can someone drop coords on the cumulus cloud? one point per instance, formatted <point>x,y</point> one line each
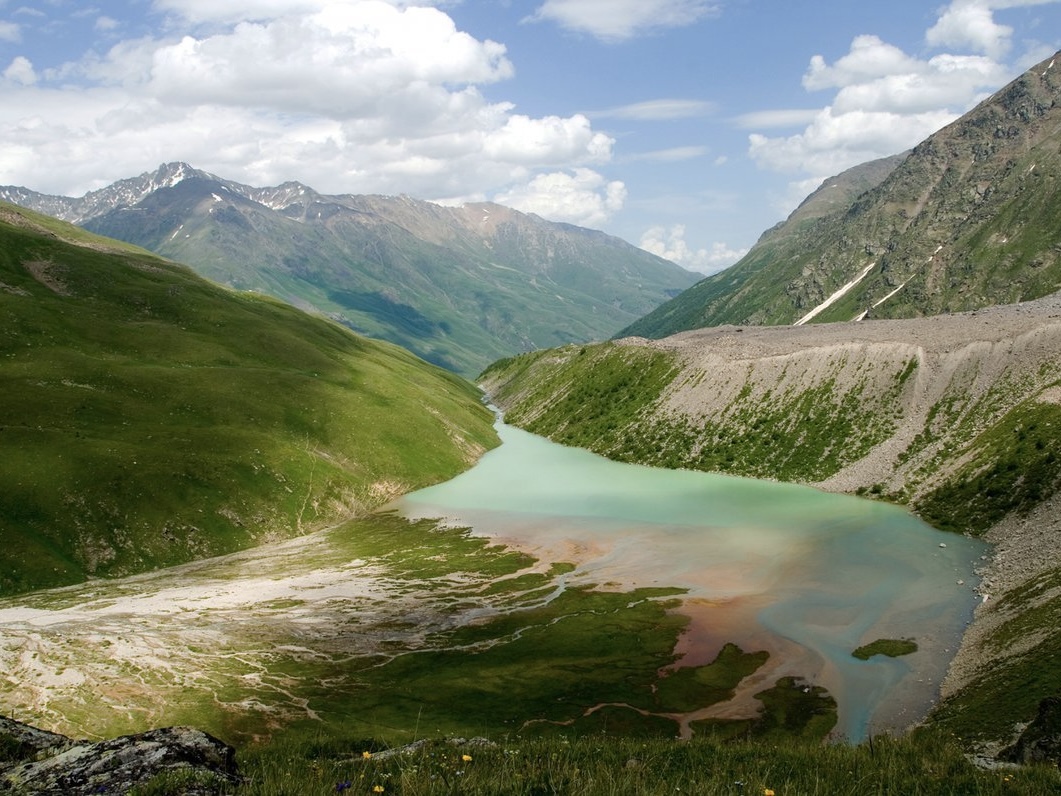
<point>581,197</point>
<point>669,242</point>
<point>619,20</point>
<point>20,71</point>
<point>359,96</point>
<point>885,100</point>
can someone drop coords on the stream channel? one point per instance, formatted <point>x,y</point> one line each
<point>806,575</point>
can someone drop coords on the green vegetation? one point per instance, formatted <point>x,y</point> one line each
<point>923,764</point>
<point>148,417</point>
<point>605,398</point>
<point>892,647</point>
<point>1016,464</point>
<point>597,393</point>
<point>437,281</point>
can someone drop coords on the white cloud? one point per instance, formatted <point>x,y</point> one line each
<point>885,100</point>
<point>9,31</point>
<point>20,71</point>
<point>671,155</point>
<point>350,96</point>
<point>619,20</point>
<point>582,197</point>
<point>658,110</point>
<point>837,141</point>
<point>669,242</point>
<point>775,118</point>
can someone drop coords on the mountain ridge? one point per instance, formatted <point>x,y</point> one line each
<point>459,286</point>
<point>968,219</point>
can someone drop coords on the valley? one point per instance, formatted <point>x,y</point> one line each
<point>396,621</point>
<point>223,507</point>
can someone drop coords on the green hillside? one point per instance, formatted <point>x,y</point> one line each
<point>149,417</point>
<point>968,219</point>
<point>457,286</point>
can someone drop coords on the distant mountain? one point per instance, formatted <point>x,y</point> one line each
<point>970,218</point>
<point>149,417</point>
<point>459,286</point>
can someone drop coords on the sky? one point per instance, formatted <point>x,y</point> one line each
<point>686,127</point>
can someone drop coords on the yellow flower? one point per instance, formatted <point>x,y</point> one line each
<point>768,792</point>
<point>377,789</point>
<point>366,755</point>
<point>466,758</point>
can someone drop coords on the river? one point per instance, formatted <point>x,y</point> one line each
<point>806,575</point>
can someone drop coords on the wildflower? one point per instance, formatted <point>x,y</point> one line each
<point>341,786</point>
<point>366,755</point>
<point>377,789</point>
<point>768,792</point>
<point>466,758</point>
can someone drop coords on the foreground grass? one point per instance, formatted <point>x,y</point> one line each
<point>922,763</point>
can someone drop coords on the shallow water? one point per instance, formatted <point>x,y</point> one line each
<point>806,575</point>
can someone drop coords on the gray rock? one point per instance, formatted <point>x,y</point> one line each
<point>1040,742</point>
<point>189,761</point>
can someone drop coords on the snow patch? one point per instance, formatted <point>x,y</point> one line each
<point>839,294</point>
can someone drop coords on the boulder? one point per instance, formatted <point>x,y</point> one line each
<point>178,759</point>
<point>1040,742</point>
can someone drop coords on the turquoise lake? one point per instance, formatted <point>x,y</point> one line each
<point>806,575</point>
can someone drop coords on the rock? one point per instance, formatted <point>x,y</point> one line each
<point>1040,742</point>
<point>20,742</point>
<point>35,761</point>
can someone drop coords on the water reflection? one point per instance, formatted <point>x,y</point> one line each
<point>806,575</point>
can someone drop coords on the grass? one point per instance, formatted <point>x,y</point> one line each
<point>148,417</point>
<point>601,764</point>
<point>892,647</point>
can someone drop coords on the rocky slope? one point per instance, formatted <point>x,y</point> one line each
<point>968,219</point>
<point>170,760</point>
<point>955,416</point>
<point>458,286</point>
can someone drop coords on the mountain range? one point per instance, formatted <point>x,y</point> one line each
<point>969,218</point>
<point>458,286</point>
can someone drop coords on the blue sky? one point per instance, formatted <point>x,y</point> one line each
<point>685,126</point>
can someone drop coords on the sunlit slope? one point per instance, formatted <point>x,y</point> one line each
<point>149,417</point>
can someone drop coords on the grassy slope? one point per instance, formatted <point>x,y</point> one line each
<point>149,417</point>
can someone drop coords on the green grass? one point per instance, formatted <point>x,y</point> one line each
<point>892,647</point>
<point>600,764</point>
<point>1016,464</point>
<point>148,417</point>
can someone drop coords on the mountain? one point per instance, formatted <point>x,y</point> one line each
<point>458,286</point>
<point>955,416</point>
<point>149,417</point>
<point>968,219</point>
